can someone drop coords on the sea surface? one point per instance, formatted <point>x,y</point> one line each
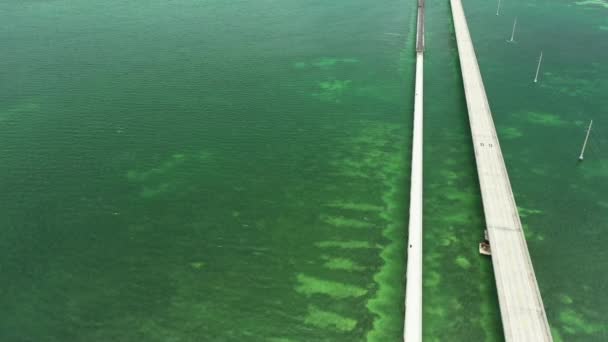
<point>207,170</point>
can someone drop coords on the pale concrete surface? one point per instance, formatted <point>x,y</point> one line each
<point>521,306</point>
<point>412,330</point>
<point>413,294</point>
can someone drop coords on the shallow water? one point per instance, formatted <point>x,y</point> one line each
<point>459,294</point>
<point>203,170</point>
<point>541,127</point>
<point>560,199</point>
<point>187,170</point>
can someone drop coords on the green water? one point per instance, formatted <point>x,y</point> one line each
<point>203,170</point>
<point>542,126</point>
<point>460,302</point>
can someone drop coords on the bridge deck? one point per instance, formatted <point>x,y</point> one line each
<point>521,306</point>
<point>412,329</point>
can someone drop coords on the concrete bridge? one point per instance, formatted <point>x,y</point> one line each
<point>521,306</point>
<point>413,293</point>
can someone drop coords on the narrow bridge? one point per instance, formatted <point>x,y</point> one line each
<point>521,306</point>
<point>413,294</point>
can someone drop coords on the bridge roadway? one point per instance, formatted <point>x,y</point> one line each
<point>412,329</point>
<point>521,306</point>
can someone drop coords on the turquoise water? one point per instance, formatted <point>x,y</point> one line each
<point>217,171</point>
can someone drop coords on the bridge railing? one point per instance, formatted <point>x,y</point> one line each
<point>420,27</point>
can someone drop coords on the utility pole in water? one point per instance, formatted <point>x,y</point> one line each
<point>585,143</point>
<point>513,32</point>
<point>540,60</point>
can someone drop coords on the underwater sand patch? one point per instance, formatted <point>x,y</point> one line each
<point>600,3</point>
<point>531,235</point>
<point>557,337</point>
<point>523,212</point>
<point>344,222</point>
<point>355,206</point>
<point>541,118</point>
<point>510,133</point>
<point>462,262</point>
<point>327,319</point>
<point>432,279</point>
<point>351,174</point>
<point>574,323</point>
<point>352,244</point>
<point>332,90</point>
<point>309,286</point>
<point>197,265</point>
<point>162,178</point>
<point>569,86</point>
<point>378,93</point>
<point>375,156</point>
<point>565,299</point>
<point>342,264</point>
<point>324,63</point>
<point>165,167</point>
<point>154,191</point>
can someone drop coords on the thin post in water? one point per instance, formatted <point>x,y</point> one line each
<point>498,8</point>
<point>585,143</point>
<point>513,32</point>
<point>540,60</point>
